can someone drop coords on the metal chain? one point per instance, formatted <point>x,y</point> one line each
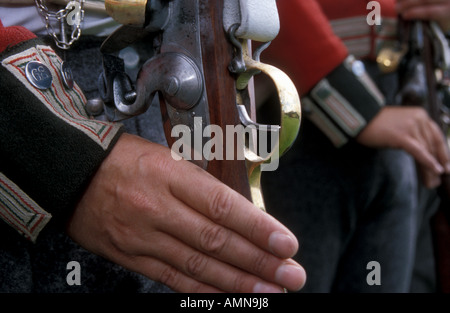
<point>61,17</point>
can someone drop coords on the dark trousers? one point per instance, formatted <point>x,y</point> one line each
<point>352,206</point>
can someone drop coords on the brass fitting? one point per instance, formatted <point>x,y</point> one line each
<point>127,12</point>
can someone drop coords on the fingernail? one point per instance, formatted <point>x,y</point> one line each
<point>439,169</point>
<point>447,168</point>
<point>282,245</point>
<point>290,276</point>
<point>266,288</point>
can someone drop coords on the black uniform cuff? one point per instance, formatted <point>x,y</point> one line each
<point>49,146</point>
<point>343,102</point>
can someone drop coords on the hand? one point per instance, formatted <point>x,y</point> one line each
<point>437,10</point>
<point>177,224</point>
<point>410,129</point>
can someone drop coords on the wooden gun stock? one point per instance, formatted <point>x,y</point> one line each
<point>203,76</point>
<point>217,53</point>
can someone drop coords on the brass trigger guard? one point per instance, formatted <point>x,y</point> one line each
<point>289,123</point>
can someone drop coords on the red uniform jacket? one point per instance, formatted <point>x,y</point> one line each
<point>315,38</point>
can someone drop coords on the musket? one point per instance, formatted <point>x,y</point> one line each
<point>423,56</point>
<point>89,5</point>
<point>201,72</point>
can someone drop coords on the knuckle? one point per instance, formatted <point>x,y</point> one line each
<point>239,284</point>
<point>196,264</point>
<point>254,227</point>
<point>213,238</point>
<point>137,199</point>
<point>195,287</point>
<point>121,238</point>
<point>260,263</point>
<point>138,202</point>
<point>153,163</point>
<point>221,204</point>
<point>438,135</point>
<point>420,114</point>
<point>118,245</point>
<point>143,162</point>
<point>169,277</point>
<point>118,242</point>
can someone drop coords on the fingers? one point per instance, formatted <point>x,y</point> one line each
<point>418,149</point>
<point>168,275</point>
<point>429,179</point>
<point>191,270</point>
<point>226,207</point>
<point>231,248</point>
<point>442,150</point>
<point>228,227</point>
<point>427,145</point>
<point>432,138</point>
<point>174,223</point>
<point>437,146</point>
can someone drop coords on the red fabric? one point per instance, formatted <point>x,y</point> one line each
<point>306,47</point>
<point>341,9</point>
<point>13,35</point>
